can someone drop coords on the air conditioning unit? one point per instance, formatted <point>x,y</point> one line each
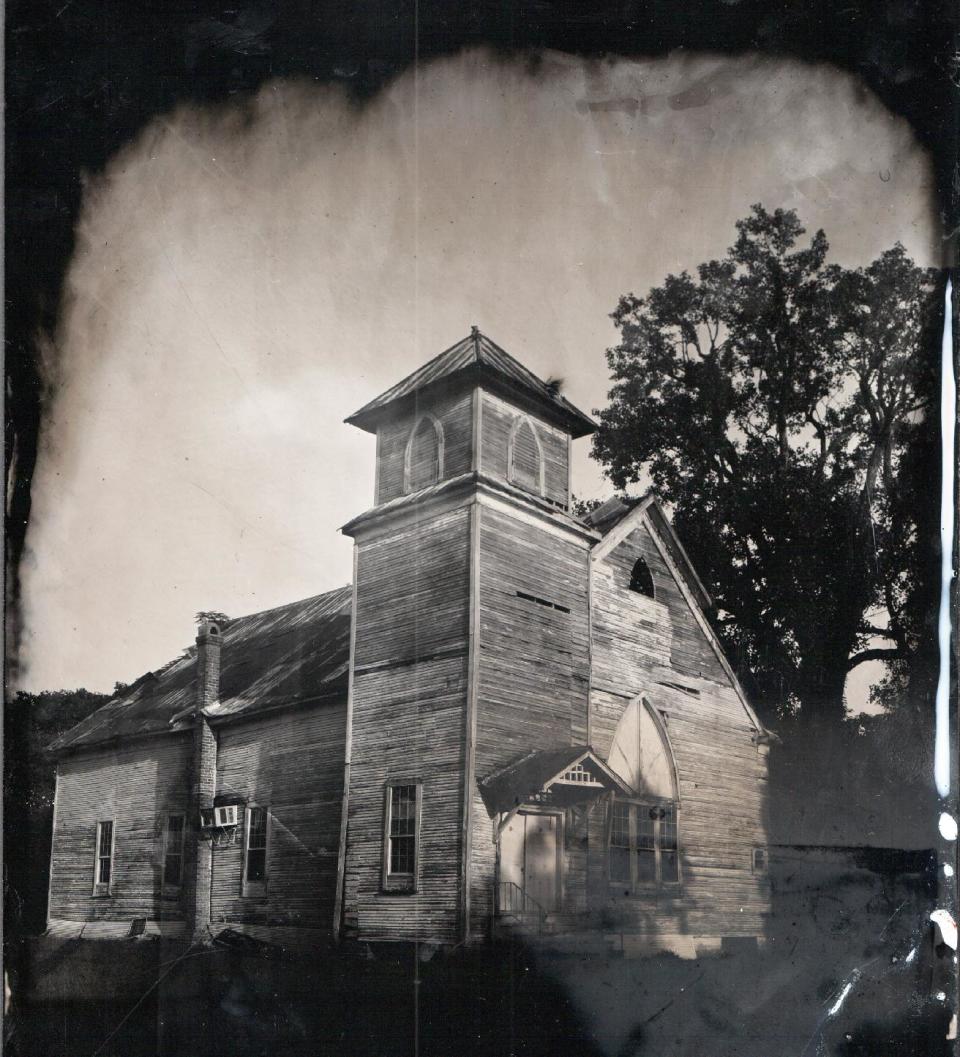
<point>227,816</point>
<point>219,817</point>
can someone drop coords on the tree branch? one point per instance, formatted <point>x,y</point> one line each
<point>873,655</point>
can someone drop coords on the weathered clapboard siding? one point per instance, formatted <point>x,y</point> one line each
<point>638,640</point>
<point>453,412</point>
<point>135,786</point>
<point>483,866</point>
<point>498,419</point>
<point>292,764</point>
<point>534,658</point>
<point>409,698</point>
<point>657,647</point>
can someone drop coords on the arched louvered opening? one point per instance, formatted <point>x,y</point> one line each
<point>641,579</point>
<point>423,462</point>
<point>525,457</point>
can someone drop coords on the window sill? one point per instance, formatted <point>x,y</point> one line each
<point>398,886</point>
<point>255,893</point>
<point>673,889</point>
<point>102,895</point>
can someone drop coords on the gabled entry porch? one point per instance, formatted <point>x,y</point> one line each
<point>540,804</point>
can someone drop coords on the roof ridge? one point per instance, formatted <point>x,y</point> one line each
<point>385,396</point>
<point>288,605</point>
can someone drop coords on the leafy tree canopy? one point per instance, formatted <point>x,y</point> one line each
<point>777,402</point>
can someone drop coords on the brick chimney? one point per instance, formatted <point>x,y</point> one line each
<point>203,774</point>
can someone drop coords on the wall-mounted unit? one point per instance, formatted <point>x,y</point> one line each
<point>220,817</point>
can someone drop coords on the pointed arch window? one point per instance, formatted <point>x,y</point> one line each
<point>642,835</point>
<point>641,579</point>
<point>423,459</point>
<point>525,457</point>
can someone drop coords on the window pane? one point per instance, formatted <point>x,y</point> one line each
<point>403,827</point>
<point>104,877</point>
<point>620,843</point>
<point>171,870</point>
<point>646,866</point>
<point>257,834</point>
<point>620,865</point>
<point>620,826</point>
<point>670,866</point>
<point>106,837</point>
<point>646,829</point>
<point>256,864</point>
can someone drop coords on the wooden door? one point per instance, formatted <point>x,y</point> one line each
<point>540,859</point>
<point>511,852</point>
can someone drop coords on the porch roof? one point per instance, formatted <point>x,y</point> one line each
<point>526,779</point>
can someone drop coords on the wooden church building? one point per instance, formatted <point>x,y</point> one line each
<point>513,718</point>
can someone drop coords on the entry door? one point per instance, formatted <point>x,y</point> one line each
<point>528,856</point>
<point>540,859</point>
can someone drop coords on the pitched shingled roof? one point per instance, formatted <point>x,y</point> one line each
<point>478,353</point>
<point>292,654</point>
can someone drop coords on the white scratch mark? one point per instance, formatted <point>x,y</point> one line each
<point>948,826</point>
<point>835,1008</point>
<point>913,953</point>
<point>947,870</point>
<point>943,919</point>
<point>948,411</point>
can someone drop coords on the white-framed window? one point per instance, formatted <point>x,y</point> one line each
<point>103,864</point>
<point>174,830</point>
<point>401,836</point>
<point>256,848</point>
<point>643,844</point>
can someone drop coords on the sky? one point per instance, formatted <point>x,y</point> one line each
<point>246,276</point>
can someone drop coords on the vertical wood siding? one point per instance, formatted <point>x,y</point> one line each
<point>658,648</point>
<point>292,764</point>
<point>498,420</point>
<point>454,412</point>
<point>136,786</point>
<point>409,696</point>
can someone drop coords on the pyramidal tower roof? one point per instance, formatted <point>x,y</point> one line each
<point>476,357</point>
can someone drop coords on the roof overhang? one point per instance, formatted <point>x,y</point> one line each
<point>550,778</point>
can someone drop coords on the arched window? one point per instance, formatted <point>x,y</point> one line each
<point>423,460</point>
<point>525,459</point>
<point>641,579</point>
<point>643,839</point>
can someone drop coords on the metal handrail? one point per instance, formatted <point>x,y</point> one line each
<point>512,899</point>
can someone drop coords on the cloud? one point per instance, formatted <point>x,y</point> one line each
<point>246,276</point>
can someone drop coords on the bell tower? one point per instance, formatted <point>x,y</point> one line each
<point>470,632</point>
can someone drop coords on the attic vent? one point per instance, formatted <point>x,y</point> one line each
<point>641,579</point>
<point>542,602</point>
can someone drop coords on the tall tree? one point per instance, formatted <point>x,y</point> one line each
<point>777,403</point>
<point>30,723</point>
